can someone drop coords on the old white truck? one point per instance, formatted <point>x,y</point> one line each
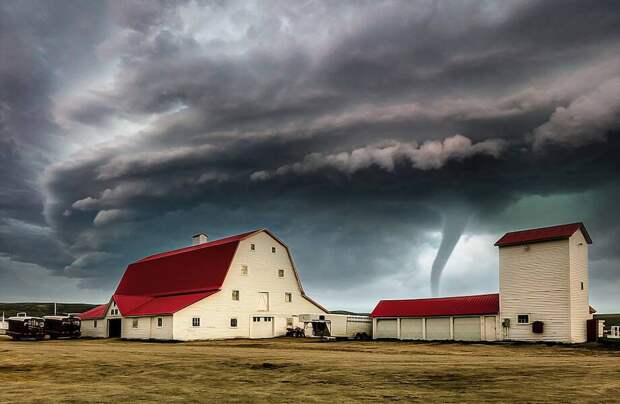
<point>337,326</point>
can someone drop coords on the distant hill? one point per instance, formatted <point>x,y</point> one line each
<point>43,309</point>
<point>349,313</point>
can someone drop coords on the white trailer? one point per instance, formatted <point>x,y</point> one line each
<point>337,326</point>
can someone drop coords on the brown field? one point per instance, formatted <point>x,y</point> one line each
<point>287,370</point>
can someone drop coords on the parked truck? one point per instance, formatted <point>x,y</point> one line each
<point>62,326</point>
<point>23,327</point>
<point>337,326</point>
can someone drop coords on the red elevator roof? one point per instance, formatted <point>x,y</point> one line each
<point>560,232</point>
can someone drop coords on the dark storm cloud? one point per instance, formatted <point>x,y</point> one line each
<point>349,129</point>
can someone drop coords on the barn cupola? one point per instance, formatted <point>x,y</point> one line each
<point>199,238</point>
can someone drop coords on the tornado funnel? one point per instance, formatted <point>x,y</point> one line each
<point>453,227</point>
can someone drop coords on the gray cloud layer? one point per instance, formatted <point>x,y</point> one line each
<point>348,128</point>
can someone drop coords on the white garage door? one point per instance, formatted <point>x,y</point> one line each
<point>386,328</point>
<point>262,327</point>
<point>437,328</point>
<point>490,329</point>
<point>467,328</point>
<point>411,328</point>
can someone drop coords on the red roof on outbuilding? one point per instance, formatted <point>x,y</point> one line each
<point>96,312</point>
<point>440,306</point>
<point>560,232</point>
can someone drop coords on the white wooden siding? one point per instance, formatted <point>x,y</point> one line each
<point>143,331</point>
<point>579,299</point>
<point>534,280</point>
<point>147,328</point>
<point>216,310</point>
<point>88,329</point>
<point>165,331</point>
<point>112,307</point>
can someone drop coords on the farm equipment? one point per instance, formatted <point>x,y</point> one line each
<point>62,326</point>
<point>337,326</point>
<point>295,332</point>
<point>24,327</point>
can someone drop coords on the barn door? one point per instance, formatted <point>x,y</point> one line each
<point>263,301</point>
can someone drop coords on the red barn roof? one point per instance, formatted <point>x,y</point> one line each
<point>167,304</point>
<point>165,283</point>
<point>560,232</point>
<point>96,312</point>
<point>440,306</point>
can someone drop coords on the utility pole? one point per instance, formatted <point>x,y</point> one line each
<point>54,308</point>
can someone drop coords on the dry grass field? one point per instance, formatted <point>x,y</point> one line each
<point>286,370</point>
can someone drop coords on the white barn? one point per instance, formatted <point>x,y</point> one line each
<point>243,286</point>
<point>543,296</point>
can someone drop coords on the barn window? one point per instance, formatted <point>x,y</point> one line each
<point>280,273</point>
<point>289,321</point>
<point>288,297</point>
<point>244,270</point>
<point>581,285</point>
<point>256,319</point>
<point>235,295</point>
<point>273,250</point>
<point>267,318</point>
<point>196,322</point>
<point>523,319</point>
<point>134,324</point>
<point>252,247</point>
<point>233,322</point>
<point>160,322</point>
<point>95,324</point>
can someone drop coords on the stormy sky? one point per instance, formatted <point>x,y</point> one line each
<point>363,133</point>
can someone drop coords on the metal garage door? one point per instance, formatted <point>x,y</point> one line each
<point>262,327</point>
<point>386,328</point>
<point>438,328</point>
<point>411,328</point>
<point>467,328</point>
<point>490,328</point>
